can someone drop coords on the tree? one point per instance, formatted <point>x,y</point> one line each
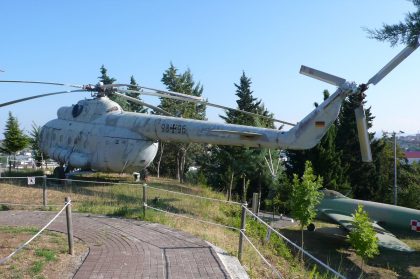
<point>178,156</point>
<point>325,158</point>
<point>360,175</point>
<point>105,79</point>
<point>245,102</point>
<point>35,137</point>
<point>409,185</point>
<point>14,138</point>
<point>362,237</point>
<point>240,170</point>
<point>406,32</point>
<point>305,197</point>
<point>134,107</point>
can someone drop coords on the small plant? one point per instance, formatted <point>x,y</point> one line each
<point>305,197</point>
<point>4,207</point>
<point>37,267</point>
<point>363,237</point>
<point>47,254</point>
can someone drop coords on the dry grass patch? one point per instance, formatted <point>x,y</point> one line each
<point>45,257</point>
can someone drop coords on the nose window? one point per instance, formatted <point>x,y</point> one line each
<point>77,110</point>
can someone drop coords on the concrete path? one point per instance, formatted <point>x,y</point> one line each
<point>122,248</point>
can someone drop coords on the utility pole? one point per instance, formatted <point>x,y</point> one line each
<point>395,166</point>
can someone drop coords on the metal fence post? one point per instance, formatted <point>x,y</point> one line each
<point>241,237</point>
<point>144,200</point>
<point>69,226</point>
<point>44,191</point>
<point>255,203</point>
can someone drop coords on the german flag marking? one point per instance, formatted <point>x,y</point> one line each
<point>320,124</point>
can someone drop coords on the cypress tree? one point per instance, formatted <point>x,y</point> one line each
<point>14,138</point>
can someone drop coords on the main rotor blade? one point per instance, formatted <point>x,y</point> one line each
<point>246,112</point>
<point>363,134</point>
<point>187,99</point>
<point>180,98</point>
<point>322,76</point>
<point>393,63</point>
<point>134,100</point>
<point>157,92</point>
<point>41,82</point>
<point>39,96</point>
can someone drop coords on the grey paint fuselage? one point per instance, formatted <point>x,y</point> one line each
<point>98,134</point>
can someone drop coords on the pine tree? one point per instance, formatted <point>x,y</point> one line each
<point>406,32</point>
<point>105,79</point>
<point>326,159</point>
<point>241,170</point>
<point>14,138</point>
<point>245,102</point>
<point>178,156</point>
<point>134,107</point>
<point>360,175</point>
<point>35,138</point>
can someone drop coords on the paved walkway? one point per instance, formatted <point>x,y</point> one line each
<point>130,249</point>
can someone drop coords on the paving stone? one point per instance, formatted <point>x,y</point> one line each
<point>120,248</point>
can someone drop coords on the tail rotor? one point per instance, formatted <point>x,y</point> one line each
<point>361,123</point>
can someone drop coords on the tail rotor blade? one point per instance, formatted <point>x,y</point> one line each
<point>393,63</point>
<point>322,76</point>
<point>362,132</point>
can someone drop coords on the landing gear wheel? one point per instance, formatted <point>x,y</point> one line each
<point>59,173</point>
<point>311,227</point>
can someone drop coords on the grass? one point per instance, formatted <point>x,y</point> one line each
<point>333,248</point>
<point>126,200</point>
<point>45,257</point>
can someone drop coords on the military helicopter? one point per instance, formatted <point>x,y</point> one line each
<point>97,134</point>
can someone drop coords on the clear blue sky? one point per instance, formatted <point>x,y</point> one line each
<point>68,41</point>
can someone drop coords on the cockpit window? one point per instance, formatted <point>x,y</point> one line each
<point>77,110</point>
<point>331,194</point>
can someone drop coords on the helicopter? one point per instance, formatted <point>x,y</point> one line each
<point>97,134</point>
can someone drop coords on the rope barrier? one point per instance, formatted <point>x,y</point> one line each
<point>297,247</point>
<point>195,196</point>
<point>131,184</point>
<point>197,220</point>
<point>19,177</point>
<point>28,205</point>
<point>262,257</point>
<point>32,238</point>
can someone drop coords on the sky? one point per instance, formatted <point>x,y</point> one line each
<point>68,41</point>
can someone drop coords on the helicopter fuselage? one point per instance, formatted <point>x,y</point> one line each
<point>81,137</point>
<point>97,134</point>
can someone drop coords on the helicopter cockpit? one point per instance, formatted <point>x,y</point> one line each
<point>89,109</point>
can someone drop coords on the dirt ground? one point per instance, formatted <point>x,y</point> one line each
<point>328,243</point>
<point>45,257</point>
